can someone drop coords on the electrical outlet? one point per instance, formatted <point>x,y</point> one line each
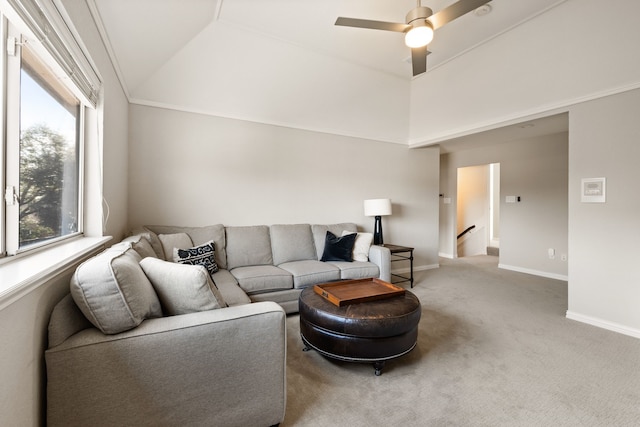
<point>552,253</point>
<point>563,257</point>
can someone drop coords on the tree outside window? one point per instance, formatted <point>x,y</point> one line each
<point>48,155</point>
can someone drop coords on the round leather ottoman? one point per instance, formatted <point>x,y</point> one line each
<point>373,331</point>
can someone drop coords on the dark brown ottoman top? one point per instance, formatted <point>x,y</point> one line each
<point>368,331</point>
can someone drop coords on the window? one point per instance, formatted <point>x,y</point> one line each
<point>49,154</point>
<point>48,84</point>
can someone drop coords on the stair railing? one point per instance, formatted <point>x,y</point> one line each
<point>467,230</point>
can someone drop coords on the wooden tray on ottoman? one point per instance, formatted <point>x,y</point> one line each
<point>346,292</point>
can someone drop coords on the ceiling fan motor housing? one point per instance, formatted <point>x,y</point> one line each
<point>421,12</point>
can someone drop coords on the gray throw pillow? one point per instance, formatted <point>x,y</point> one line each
<point>182,288</point>
<point>143,247</point>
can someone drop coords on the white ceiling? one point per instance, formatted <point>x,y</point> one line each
<point>143,35</point>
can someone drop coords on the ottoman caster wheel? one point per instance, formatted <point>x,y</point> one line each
<point>378,368</point>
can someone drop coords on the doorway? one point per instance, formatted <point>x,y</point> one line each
<point>478,210</point>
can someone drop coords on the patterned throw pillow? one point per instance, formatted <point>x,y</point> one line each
<point>199,255</point>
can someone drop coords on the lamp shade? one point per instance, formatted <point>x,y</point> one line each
<point>377,207</point>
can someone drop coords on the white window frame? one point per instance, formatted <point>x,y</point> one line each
<point>57,45</point>
<point>12,147</point>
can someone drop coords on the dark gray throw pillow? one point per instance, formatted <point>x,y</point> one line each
<point>199,255</point>
<point>338,248</point>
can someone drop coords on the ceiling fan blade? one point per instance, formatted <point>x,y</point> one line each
<point>454,11</point>
<point>373,25</point>
<point>419,60</point>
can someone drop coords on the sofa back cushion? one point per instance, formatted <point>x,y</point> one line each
<point>199,236</point>
<point>170,242</point>
<point>113,292</point>
<point>292,242</point>
<point>249,245</point>
<point>320,234</point>
<point>141,244</point>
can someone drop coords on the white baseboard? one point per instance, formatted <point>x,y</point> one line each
<point>604,324</point>
<point>445,255</point>
<point>535,272</point>
<point>415,268</point>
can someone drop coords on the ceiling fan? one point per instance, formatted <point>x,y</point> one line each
<point>421,22</point>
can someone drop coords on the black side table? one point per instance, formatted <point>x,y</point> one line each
<point>401,253</point>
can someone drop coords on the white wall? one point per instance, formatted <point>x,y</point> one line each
<point>234,73</point>
<point>604,277</point>
<point>23,324</point>
<point>573,52</point>
<point>192,169</point>
<point>536,169</point>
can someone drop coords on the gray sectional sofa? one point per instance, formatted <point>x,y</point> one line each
<point>274,263</point>
<point>141,340</point>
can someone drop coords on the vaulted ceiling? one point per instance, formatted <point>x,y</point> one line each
<point>148,40</point>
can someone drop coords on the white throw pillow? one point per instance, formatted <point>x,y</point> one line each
<point>362,245</point>
<point>182,288</point>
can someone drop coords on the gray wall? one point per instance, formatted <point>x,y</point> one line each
<point>536,169</point>
<point>604,285</point>
<point>193,169</point>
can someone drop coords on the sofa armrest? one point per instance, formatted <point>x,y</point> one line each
<point>220,367</point>
<point>381,256</point>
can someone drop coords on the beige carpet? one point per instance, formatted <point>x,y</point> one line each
<point>494,349</point>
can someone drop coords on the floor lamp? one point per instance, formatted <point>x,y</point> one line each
<point>377,208</point>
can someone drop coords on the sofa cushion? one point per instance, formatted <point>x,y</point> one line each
<point>182,288</point>
<point>199,235</point>
<point>172,241</point>
<point>310,272</point>
<point>199,255</point>
<point>361,246</point>
<point>356,269</point>
<point>338,248</point>
<point>229,288</point>
<point>113,292</point>
<point>262,278</point>
<point>153,240</point>
<point>144,248</point>
<point>249,245</point>
<point>320,233</point>
<point>292,242</point>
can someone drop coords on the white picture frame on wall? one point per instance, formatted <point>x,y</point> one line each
<point>593,190</point>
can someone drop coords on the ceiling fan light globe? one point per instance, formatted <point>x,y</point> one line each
<point>418,36</point>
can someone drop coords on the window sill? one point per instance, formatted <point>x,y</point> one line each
<point>22,275</point>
